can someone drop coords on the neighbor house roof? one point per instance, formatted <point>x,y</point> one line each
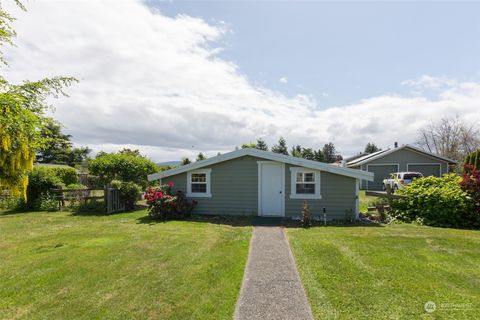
<point>375,155</point>
<point>359,174</point>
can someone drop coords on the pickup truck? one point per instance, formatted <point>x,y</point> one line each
<point>398,180</point>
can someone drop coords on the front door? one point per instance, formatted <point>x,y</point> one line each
<point>271,189</point>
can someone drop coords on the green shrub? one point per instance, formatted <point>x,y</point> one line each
<point>92,206</point>
<point>42,179</point>
<point>76,186</point>
<point>8,202</point>
<point>435,201</point>
<point>129,192</point>
<point>46,202</point>
<point>122,166</point>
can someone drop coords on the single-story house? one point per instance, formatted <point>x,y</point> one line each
<point>255,182</point>
<point>405,158</point>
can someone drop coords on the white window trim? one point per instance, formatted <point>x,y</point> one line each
<point>293,184</point>
<point>207,194</point>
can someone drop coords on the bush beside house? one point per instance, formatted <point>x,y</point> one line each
<point>164,205</point>
<point>438,201</point>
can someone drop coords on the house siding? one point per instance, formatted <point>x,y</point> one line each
<point>338,197</point>
<point>234,189</point>
<point>402,157</point>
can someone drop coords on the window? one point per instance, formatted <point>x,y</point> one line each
<point>198,183</point>
<point>305,184</point>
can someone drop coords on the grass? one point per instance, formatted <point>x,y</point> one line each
<point>389,272</point>
<point>59,266</point>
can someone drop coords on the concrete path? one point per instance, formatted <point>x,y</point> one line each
<point>271,286</point>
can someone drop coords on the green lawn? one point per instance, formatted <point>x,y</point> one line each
<point>59,266</point>
<point>389,272</point>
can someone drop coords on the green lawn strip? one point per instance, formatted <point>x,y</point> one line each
<point>389,272</point>
<point>59,266</point>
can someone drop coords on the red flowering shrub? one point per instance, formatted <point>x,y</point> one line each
<point>471,184</point>
<point>164,205</point>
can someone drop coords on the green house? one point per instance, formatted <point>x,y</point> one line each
<point>263,183</point>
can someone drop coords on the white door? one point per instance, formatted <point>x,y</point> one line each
<point>271,189</point>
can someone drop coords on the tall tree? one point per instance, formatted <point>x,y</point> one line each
<point>329,152</point>
<point>371,148</point>
<point>261,145</point>
<point>319,156</point>
<point>22,117</point>
<point>58,148</point>
<point>281,147</point>
<point>185,161</point>
<point>307,153</point>
<point>201,157</point>
<point>450,137</point>
<point>296,151</point>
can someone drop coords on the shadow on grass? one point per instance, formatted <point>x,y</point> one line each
<point>244,221</point>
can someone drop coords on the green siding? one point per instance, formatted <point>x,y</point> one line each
<point>234,188</point>
<point>338,197</point>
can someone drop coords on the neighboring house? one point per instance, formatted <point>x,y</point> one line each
<point>397,159</point>
<point>256,182</point>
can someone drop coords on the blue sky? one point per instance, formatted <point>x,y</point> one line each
<point>176,78</point>
<point>346,50</point>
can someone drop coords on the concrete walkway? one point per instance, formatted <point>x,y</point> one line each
<point>271,286</point>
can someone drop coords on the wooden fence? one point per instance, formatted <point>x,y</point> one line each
<point>110,196</point>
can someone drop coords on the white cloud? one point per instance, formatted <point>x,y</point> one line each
<point>283,80</point>
<point>430,82</point>
<point>153,82</point>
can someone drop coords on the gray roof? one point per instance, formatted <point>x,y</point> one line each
<point>375,155</point>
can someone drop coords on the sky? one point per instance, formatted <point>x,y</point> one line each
<point>176,78</point>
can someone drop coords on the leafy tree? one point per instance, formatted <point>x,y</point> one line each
<point>185,161</point>
<point>132,152</point>
<point>201,157</point>
<point>251,145</point>
<point>371,148</point>
<point>22,116</point>
<point>57,147</point>
<point>319,156</point>
<point>281,147</point>
<point>296,151</point>
<point>122,166</point>
<point>307,153</point>
<point>329,152</point>
<point>473,159</point>
<point>261,145</point>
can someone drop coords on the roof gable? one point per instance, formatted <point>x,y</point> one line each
<point>372,156</point>
<point>265,155</point>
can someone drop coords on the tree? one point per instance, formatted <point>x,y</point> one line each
<point>296,151</point>
<point>185,161</point>
<point>122,166</point>
<point>201,157</point>
<point>450,137</point>
<point>57,147</point>
<point>473,159</point>
<point>371,148</point>
<point>132,152</point>
<point>319,156</point>
<point>261,145</point>
<point>250,145</point>
<point>281,147</point>
<point>22,117</point>
<point>307,153</point>
<point>329,153</point>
